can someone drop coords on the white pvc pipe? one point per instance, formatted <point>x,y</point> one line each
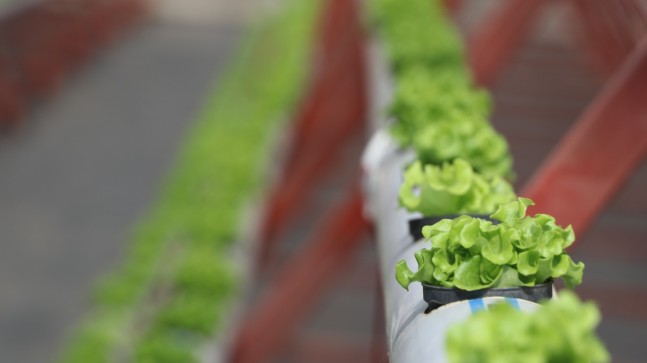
<point>412,335</point>
<point>422,339</point>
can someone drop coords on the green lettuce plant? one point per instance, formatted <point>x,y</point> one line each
<point>438,111</point>
<point>422,97</point>
<point>474,141</point>
<point>417,32</point>
<point>471,253</point>
<point>452,188</point>
<point>442,116</point>
<point>562,330</point>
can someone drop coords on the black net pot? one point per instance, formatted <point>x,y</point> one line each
<point>437,296</point>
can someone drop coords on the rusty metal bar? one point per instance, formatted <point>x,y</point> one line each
<point>301,282</point>
<point>600,152</point>
<point>494,42</point>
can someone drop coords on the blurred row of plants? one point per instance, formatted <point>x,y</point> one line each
<point>438,111</point>
<point>172,293</point>
<point>464,166</point>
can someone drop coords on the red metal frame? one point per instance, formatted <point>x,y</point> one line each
<point>333,111</point>
<point>607,31</point>
<point>611,28</point>
<point>452,6</point>
<point>44,41</point>
<point>301,282</point>
<point>338,57</point>
<point>569,185</point>
<point>599,152</point>
<point>12,105</point>
<point>496,40</point>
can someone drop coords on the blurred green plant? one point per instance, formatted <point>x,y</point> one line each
<point>452,188</point>
<point>170,293</point>
<point>417,33</point>
<point>423,97</point>
<point>472,253</point>
<point>561,330</point>
<point>437,110</point>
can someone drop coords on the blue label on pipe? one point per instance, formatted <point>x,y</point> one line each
<point>476,305</point>
<point>513,302</point>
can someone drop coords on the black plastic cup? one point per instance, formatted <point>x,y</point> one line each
<point>437,296</point>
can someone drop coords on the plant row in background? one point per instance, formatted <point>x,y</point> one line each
<point>172,291</point>
<point>463,166</point>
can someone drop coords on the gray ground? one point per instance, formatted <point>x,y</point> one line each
<point>85,167</point>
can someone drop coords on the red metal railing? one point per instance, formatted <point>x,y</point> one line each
<point>42,42</point>
<point>575,183</point>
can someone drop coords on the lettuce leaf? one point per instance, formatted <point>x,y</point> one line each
<point>438,110</point>
<point>562,330</point>
<point>452,188</point>
<point>472,253</point>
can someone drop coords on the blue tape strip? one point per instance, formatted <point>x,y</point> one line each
<point>476,305</point>
<point>513,302</point>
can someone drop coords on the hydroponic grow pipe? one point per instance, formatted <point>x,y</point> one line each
<point>412,335</point>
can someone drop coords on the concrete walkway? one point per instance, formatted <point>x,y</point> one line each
<point>85,168</point>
